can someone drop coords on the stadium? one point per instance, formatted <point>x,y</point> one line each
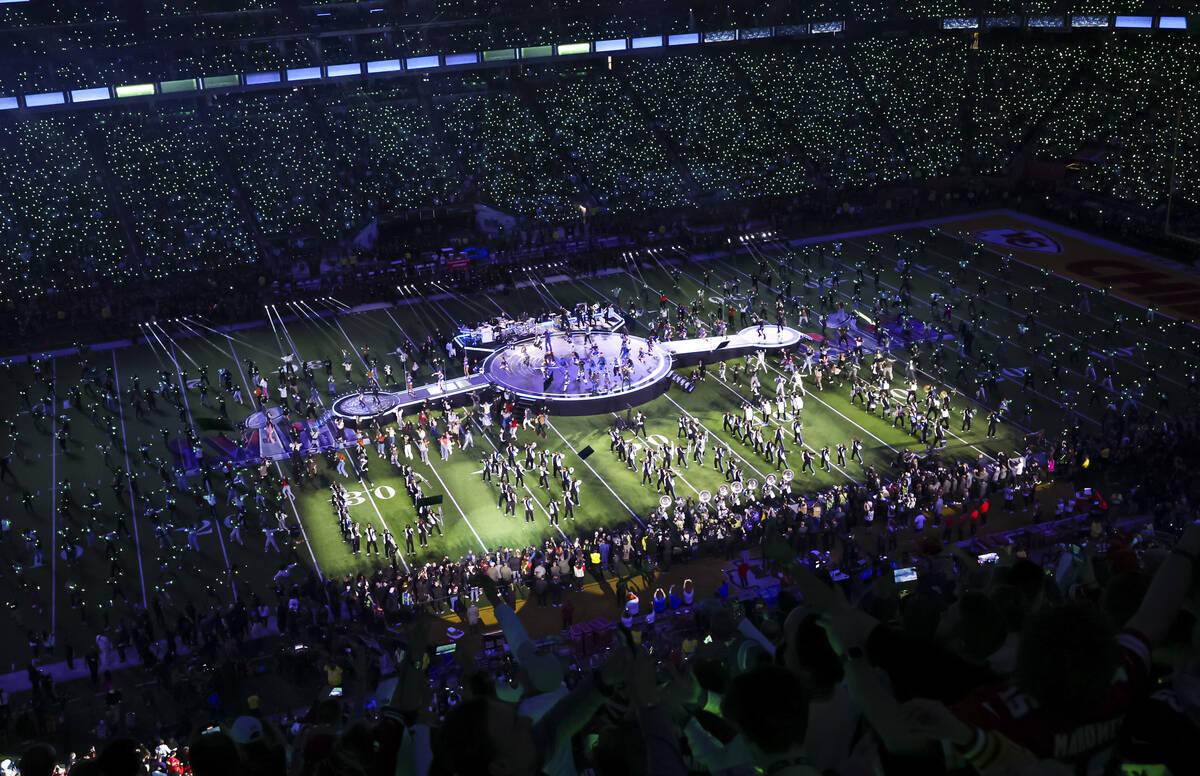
<point>482,386</point>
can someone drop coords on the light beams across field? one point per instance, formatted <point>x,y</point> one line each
<point>129,471</point>
<point>192,424</point>
<point>349,459</point>
<point>229,340</point>
<point>445,489</point>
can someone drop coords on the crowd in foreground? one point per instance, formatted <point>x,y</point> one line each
<point>973,668</point>
<point>1038,663</point>
<point>939,639</point>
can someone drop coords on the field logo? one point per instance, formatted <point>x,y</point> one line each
<point>1020,239</point>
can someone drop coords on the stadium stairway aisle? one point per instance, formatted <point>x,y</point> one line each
<point>541,622</point>
<point>599,599</point>
<point>17,681</point>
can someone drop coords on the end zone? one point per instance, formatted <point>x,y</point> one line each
<point>1135,276</point>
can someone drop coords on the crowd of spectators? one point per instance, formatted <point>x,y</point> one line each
<point>965,632</point>
<point>1072,652</point>
<point>1068,653</point>
<point>837,123</point>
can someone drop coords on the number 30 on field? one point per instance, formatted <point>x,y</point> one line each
<point>382,492</point>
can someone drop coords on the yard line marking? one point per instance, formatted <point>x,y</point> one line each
<point>250,395</point>
<point>714,434</point>
<point>488,437</point>
<point>776,423</point>
<point>358,475</point>
<point>597,474</point>
<point>129,471</point>
<point>432,468</point>
<point>53,497</point>
<point>731,450</point>
<point>191,422</point>
<point>446,490</point>
<point>670,462</point>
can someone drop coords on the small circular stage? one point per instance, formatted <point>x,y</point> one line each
<point>581,374</point>
<point>769,336</point>
<point>689,352</point>
<point>362,405</point>
<point>264,418</point>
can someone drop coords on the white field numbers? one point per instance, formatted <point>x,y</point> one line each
<point>653,440</point>
<point>381,492</point>
<point>356,498</point>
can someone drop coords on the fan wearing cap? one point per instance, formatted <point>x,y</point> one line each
<point>246,730</point>
<point>261,745</point>
<point>630,610</point>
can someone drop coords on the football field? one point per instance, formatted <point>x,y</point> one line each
<point>98,524</point>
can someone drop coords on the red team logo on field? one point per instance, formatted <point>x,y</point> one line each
<point>1020,239</point>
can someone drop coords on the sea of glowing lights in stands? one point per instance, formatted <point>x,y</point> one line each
<point>299,68</point>
<point>141,190</point>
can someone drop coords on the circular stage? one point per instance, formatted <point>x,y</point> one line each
<point>582,373</point>
<point>361,405</point>
<point>263,418</point>
<point>770,336</point>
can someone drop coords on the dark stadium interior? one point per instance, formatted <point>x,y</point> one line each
<point>261,259</point>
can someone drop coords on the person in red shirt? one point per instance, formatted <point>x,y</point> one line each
<point>1075,679</point>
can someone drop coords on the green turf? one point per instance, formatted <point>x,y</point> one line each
<point>611,493</point>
